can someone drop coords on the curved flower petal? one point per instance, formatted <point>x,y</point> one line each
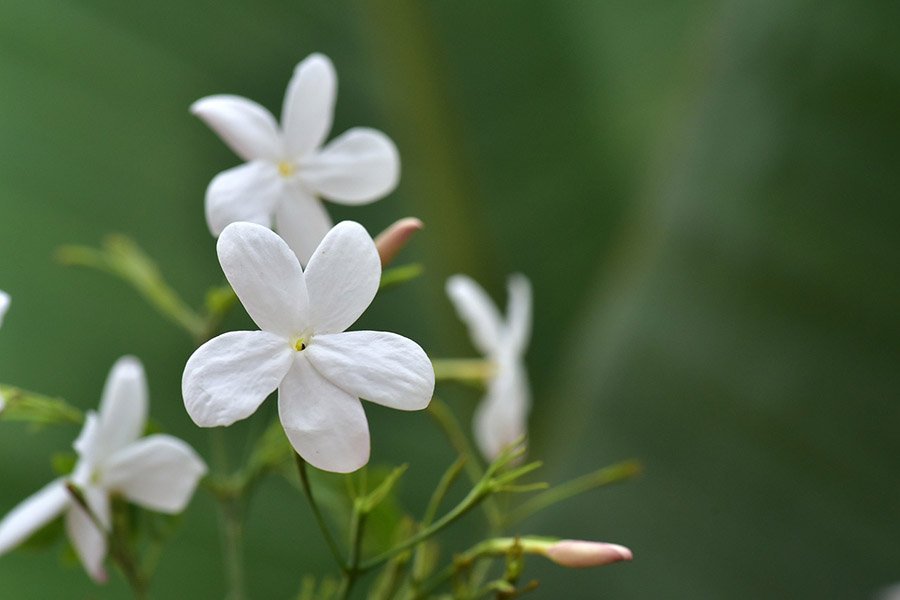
<point>266,276</point>
<point>228,377</point>
<point>325,425</point>
<point>249,192</point>
<point>309,105</point>
<point>159,472</point>
<point>378,366</point>
<point>123,407</point>
<point>342,278</point>
<point>89,541</point>
<point>501,418</point>
<point>476,310</point>
<point>33,513</point>
<point>86,445</point>
<point>248,128</point>
<point>357,167</point>
<point>4,304</point>
<point>518,313</point>
<point>302,221</point>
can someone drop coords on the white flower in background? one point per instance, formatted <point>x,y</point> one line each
<point>320,371</point>
<point>158,472</point>
<point>4,305</point>
<point>287,168</point>
<point>502,416</point>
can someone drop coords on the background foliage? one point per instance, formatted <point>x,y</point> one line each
<point>704,194</point>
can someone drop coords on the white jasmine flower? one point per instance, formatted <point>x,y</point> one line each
<point>320,371</point>
<point>158,472</point>
<point>287,168</point>
<point>4,304</point>
<point>502,416</point>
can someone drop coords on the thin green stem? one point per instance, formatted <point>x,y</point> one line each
<point>320,519</point>
<point>357,524</point>
<point>472,370</point>
<point>616,473</point>
<point>231,516</point>
<point>472,499</point>
<point>446,420</point>
<point>25,405</point>
<point>231,513</point>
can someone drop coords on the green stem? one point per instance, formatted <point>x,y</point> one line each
<point>446,420</point>
<point>231,513</point>
<point>472,499</point>
<point>606,476</point>
<point>357,523</point>
<point>320,519</point>
<point>472,370</point>
<point>25,405</point>
<point>491,548</point>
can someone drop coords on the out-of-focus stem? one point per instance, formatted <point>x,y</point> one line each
<point>616,473</point>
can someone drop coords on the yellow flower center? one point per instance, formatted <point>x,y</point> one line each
<point>299,344</point>
<point>286,169</point>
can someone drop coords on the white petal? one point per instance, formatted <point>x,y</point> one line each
<point>518,314</point>
<point>266,276</point>
<point>342,277</point>
<point>86,445</point>
<point>159,472</point>
<point>309,105</point>
<point>302,221</point>
<point>325,424</point>
<point>382,367</point>
<point>501,418</point>
<point>228,377</point>
<point>4,304</point>
<point>248,128</point>
<point>89,541</point>
<point>249,192</point>
<point>477,311</point>
<point>33,513</point>
<point>123,407</point>
<point>359,166</point>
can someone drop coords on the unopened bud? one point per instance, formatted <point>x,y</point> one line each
<point>392,240</point>
<point>578,554</point>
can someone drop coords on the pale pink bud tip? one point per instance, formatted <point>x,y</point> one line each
<point>392,240</point>
<point>578,554</point>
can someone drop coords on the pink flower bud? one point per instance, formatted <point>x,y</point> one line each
<point>578,554</point>
<point>392,240</point>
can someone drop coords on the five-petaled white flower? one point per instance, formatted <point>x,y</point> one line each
<point>502,416</point>
<point>158,472</point>
<point>320,371</point>
<point>286,169</point>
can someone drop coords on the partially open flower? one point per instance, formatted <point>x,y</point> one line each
<point>501,418</point>
<point>158,472</point>
<point>578,554</point>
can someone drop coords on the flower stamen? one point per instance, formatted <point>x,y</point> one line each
<point>285,169</point>
<point>299,344</point>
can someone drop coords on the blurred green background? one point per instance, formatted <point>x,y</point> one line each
<point>704,194</point>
